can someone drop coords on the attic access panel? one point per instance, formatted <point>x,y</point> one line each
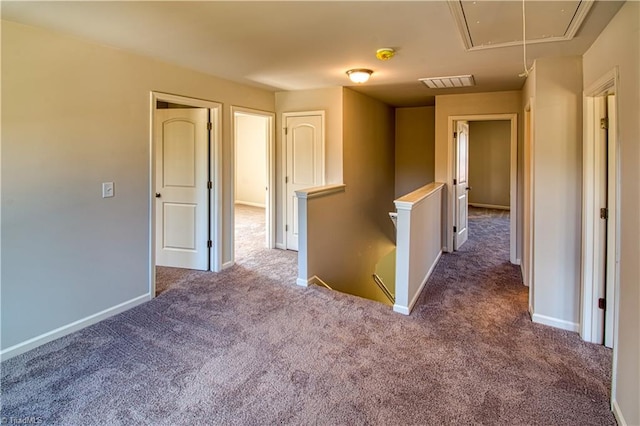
<point>489,24</point>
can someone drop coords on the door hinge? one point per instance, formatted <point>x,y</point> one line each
<point>604,123</point>
<point>209,126</point>
<point>455,229</point>
<point>209,185</point>
<point>455,181</point>
<point>286,130</point>
<point>286,228</point>
<point>604,213</point>
<point>455,135</point>
<point>286,179</point>
<point>209,243</point>
<point>602,303</point>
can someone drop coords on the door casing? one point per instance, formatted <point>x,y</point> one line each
<point>215,174</point>
<point>271,173</point>
<point>449,219</point>
<point>591,320</point>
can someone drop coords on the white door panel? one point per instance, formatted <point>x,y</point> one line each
<point>304,168</point>
<point>461,186</point>
<point>182,228</point>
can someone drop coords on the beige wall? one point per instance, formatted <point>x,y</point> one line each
<point>557,188</point>
<point>251,159</point>
<point>76,114</point>
<point>415,148</point>
<point>328,100</point>
<point>619,45</point>
<point>489,162</point>
<point>473,104</point>
<point>349,232</point>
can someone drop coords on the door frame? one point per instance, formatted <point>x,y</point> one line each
<point>270,214</point>
<point>590,324</point>
<point>527,200</point>
<point>513,176</point>
<point>215,174</point>
<point>286,115</point>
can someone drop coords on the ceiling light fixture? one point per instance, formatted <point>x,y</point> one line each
<point>359,75</point>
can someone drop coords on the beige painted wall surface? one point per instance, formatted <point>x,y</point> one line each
<point>489,162</point>
<point>415,148</point>
<point>350,232</point>
<point>619,45</point>
<point>328,100</point>
<point>76,114</point>
<point>474,104</point>
<point>251,159</point>
<point>557,188</point>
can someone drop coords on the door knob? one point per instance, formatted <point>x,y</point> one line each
<point>468,188</point>
<point>158,195</point>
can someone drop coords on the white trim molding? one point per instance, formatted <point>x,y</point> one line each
<point>270,204</point>
<point>448,220</point>
<point>617,412</point>
<point>555,322</point>
<point>215,159</point>
<point>320,191</point>
<point>460,19</point>
<point>592,319</point>
<point>406,310</point>
<point>49,336</point>
<point>490,206</point>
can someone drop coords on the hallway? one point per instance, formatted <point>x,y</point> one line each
<point>249,346</point>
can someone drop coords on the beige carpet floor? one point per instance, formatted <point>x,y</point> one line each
<point>248,347</point>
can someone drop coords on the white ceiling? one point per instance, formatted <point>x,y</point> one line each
<point>289,45</point>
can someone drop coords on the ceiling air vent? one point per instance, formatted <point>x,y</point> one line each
<point>448,82</point>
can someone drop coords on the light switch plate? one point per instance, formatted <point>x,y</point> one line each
<point>107,190</point>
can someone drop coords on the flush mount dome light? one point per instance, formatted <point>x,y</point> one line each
<point>359,75</point>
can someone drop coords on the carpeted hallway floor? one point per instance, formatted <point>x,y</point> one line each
<point>248,347</point>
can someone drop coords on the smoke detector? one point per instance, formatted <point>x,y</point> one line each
<point>385,53</point>
<point>449,82</point>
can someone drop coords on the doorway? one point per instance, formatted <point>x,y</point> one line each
<point>453,218</point>
<point>601,201</point>
<point>254,180</point>
<point>185,229</point>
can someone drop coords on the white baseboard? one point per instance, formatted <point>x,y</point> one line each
<point>490,206</point>
<point>250,204</point>
<point>555,322</point>
<point>228,264</point>
<point>47,337</point>
<point>406,310</point>
<point>617,413</point>
<point>518,262</point>
<point>313,280</point>
<point>280,246</point>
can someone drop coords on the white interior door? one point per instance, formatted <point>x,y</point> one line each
<point>181,146</point>
<point>461,187</point>
<point>305,165</point>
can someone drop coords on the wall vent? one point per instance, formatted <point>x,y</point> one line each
<point>449,82</point>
